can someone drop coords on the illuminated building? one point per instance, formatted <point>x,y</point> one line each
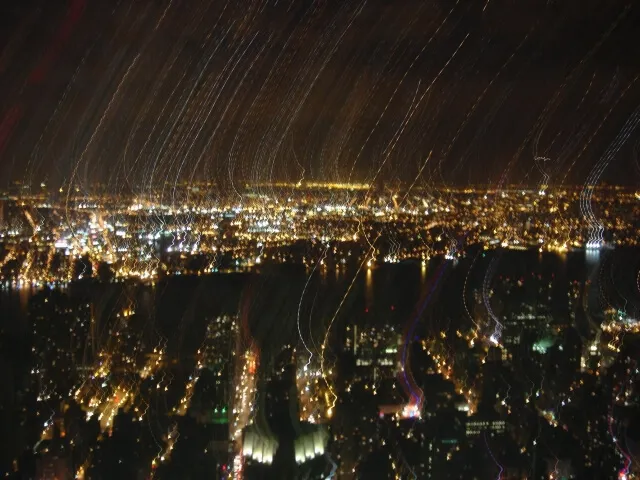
<point>277,444</point>
<point>477,424</point>
<point>375,350</point>
<point>53,458</point>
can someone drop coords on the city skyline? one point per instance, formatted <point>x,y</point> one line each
<point>320,239</point>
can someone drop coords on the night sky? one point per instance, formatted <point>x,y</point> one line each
<point>139,94</point>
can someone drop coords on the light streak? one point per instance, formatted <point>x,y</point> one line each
<point>326,336</point>
<point>324,254</point>
<point>499,477</point>
<point>596,229</point>
<point>497,331</point>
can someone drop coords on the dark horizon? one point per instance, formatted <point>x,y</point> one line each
<point>433,93</point>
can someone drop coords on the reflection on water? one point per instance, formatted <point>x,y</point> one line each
<point>592,257</point>
<point>377,289</point>
<point>368,291</point>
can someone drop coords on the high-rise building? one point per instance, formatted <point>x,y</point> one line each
<point>278,444</point>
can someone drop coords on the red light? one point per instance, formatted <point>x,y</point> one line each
<point>366,310</point>
<point>393,307</point>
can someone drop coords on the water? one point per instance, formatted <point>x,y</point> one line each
<point>279,303</point>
